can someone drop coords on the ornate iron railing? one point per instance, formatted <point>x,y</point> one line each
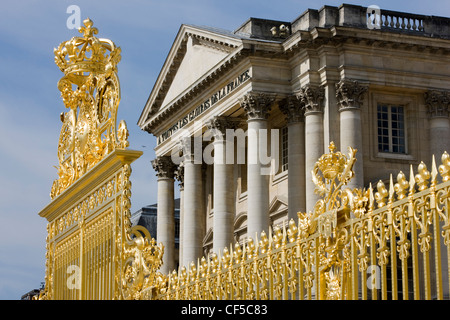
<point>356,244</point>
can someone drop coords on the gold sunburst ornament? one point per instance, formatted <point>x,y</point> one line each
<point>90,91</point>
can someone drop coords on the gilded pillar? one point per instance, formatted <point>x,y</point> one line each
<point>165,225</point>
<point>292,109</point>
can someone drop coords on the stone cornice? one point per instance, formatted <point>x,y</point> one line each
<point>338,35</point>
<point>349,94</point>
<point>437,102</point>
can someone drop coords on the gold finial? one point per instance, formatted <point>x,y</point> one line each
<point>331,147</point>
<point>88,31</point>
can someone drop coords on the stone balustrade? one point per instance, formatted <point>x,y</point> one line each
<point>357,16</point>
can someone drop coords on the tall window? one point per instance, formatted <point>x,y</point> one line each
<point>244,177</point>
<point>391,128</point>
<point>284,148</point>
<point>243,169</point>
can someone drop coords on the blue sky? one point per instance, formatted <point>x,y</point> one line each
<point>30,102</point>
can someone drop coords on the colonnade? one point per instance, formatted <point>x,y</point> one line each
<point>304,113</point>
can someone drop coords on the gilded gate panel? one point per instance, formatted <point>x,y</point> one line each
<point>93,252</point>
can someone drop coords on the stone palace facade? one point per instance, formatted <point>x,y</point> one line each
<point>265,102</point>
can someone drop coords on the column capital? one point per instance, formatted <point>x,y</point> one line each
<point>311,97</point>
<point>349,94</point>
<point>191,149</point>
<point>164,167</point>
<point>179,174</point>
<point>437,102</point>
<point>257,105</point>
<point>219,124</point>
<point>292,108</point>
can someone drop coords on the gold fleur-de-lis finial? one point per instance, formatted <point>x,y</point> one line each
<point>88,31</point>
<point>331,147</point>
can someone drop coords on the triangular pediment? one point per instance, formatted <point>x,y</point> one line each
<point>277,204</point>
<point>198,60</point>
<point>195,53</point>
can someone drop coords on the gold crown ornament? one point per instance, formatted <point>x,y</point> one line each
<point>88,53</point>
<point>90,90</point>
<point>331,164</point>
<point>336,170</point>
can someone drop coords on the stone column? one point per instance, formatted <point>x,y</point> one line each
<point>437,103</point>
<point>292,108</point>
<point>257,105</point>
<point>312,100</point>
<point>193,218</point>
<point>223,197</point>
<point>179,175</point>
<point>165,225</point>
<point>349,94</point>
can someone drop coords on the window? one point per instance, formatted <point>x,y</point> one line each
<point>391,128</point>
<point>211,188</point>
<point>243,166</point>
<point>177,227</point>
<point>284,148</point>
<point>244,177</point>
